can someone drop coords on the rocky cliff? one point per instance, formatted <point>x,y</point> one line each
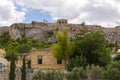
<point>46,31</point>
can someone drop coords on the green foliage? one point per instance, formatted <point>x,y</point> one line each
<point>94,72</point>
<point>11,52</point>
<point>63,48</point>
<point>76,74</point>
<point>115,64</point>
<point>54,75</point>
<point>78,61</point>
<point>5,41</point>
<point>91,72</point>
<point>23,70</point>
<point>39,75</point>
<point>22,40</point>
<point>112,74</point>
<point>49,75</point>
<point>104,59</point>
<point>4,38</point>
<point>93,48</point>
<point>33,43</point>
<point>110,46</point>
<point>12,69</point>
<point>113,71</point>
<point>11,55</point>
<point>23,48</point>
<point>48,33</point>
<point>11,45</point>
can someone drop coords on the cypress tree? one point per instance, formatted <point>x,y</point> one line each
<point>23,76</point>
<point>12,70</point>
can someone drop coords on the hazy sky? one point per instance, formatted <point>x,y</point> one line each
<point>101,12</point>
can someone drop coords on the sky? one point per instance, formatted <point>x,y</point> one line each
<point>93,12</point>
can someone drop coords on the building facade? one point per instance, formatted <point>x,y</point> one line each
<point>43,59</point>
<point>3,61</point>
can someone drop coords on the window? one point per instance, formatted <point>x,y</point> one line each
<point>59,61</point>
<point>40,59</point>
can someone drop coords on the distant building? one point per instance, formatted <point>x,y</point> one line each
<point>118,51</point>
<point>3,61</point>
<point>62,21</point>
<point>43,59</point>
<point>114,53</point>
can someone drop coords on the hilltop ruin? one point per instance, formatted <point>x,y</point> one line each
<point>46,31</point>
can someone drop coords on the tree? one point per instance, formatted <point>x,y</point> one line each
<point>62,50</point>
<point>23,48</point>
<point>78,61</point>
<point>76,74</point>
<point>12,56</point>
<point>23,75</point>
<point>4,38</point>
<point>94,72</point>
<point>93,47</point>
<point>12,66</point>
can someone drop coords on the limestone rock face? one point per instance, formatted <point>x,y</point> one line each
<point>47,31</point>
<point>112,35</point>
<point>40,31</point>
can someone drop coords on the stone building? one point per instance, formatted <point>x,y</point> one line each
<point>3,61</point>
<point>43,59</point>
<point>62,21</point>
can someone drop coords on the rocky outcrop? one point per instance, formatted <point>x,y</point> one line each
<point>45,31</point>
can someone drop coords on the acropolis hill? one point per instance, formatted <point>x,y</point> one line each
<point>46,31</point>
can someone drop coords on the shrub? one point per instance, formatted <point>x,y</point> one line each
<point>112,74</point>
<point>78,61</point>
<point>113,71</point>
<point>49,75</point>
<point>76,74</point>
<point>38,75</point>
<point>115,64</point>
<point>54,75</point>
<point>94,72</point>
